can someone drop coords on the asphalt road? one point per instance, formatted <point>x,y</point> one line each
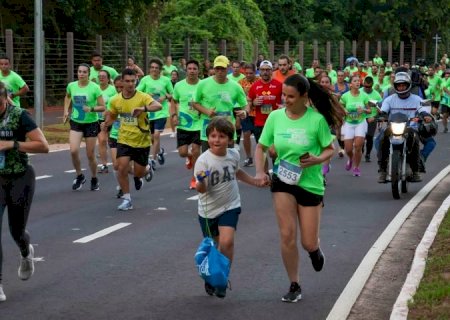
<point>145,270</point>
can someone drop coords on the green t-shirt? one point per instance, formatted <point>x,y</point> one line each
<point>292,139</point>
<point>445,100</point>
<point>297,67</point>
<point>434,86</point>
<point>188,117</point>
<point>107,94</point>
<point>231,77</point>
<point>157,88</point>
<point>374,95</point>
<point>13,83</point>
<point>83,96</point>
<point>378,61</point>
<point>351,105</point>
<point>333,76</point>
<point>224,98</point>
<point>167,70</point>
<point>93,74</point>
<point>351,70</point>
<point>309,73</point>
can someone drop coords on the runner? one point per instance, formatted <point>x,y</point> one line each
<point>236,74</point>
<point>284,69</point>
<point>131,64</point>
<point>85,99</point>
<point>434,88</point>
<point>14,83</point>
<point>218,96</point>
<point>219,204</point>
<point>302,141</point>
<point>186,118</point>
<point>248,124</point>
<point>161,89</point>
<point>133,143</point>
<point>340,87</point>
<point>445,101</point>
<point>355,125</point>
<point>168,67</point>
<point>19,135</point>
<point>108,91</point>
<point>174,78</point>
<point>97,65</point>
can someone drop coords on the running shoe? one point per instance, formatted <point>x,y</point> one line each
<point>2,294</point>
<point>220,292</point>
<point>26,267</point>
<point>189,163</point>
<point>193,183</point>
<point>248,162</point>
<point>368,158</point>
<point>348,165</point>
<point>356,172</point>
<point>125,205</point>
<point>445,130</point>
<point>341,153</point>
<point>95,185</point>
<point>317,259</point>
<point>152,163</point>
<point>160,156</point>
<point>382,175</point>
<point>78,182</point>
<point>138,182</point>
<point>149,175</point>
<point>209,289</point>
<point>103,169</point>
<point>416,177</point>
<point>119,193</point>
<point>294,294</point>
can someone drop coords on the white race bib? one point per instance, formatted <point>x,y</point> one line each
<point>289,173</point>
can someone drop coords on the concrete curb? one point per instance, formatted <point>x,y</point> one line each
<point>351,292</point>
<point>415,275</point>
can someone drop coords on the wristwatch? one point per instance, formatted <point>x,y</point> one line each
<point>16,145</point>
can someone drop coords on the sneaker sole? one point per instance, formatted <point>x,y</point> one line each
<point>81,185</point>
<point>24,278</point>
<point>299,297</point>
<point>125,209</point>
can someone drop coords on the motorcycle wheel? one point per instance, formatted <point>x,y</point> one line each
<point>404,186</point>
<point>395,170</point>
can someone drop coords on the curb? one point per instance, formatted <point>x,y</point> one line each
<point>415,275</point>
<point>354,287</point>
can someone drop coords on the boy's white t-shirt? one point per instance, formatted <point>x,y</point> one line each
<point>222,188</point>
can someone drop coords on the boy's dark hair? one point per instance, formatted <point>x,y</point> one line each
<point>193,62</point>
<point>157,61</point>
<point>96,54</point>
<point>222,125</point>
<point>368,80</point>
<point>128,72</point>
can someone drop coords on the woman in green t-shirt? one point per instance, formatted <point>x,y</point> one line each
<point>300,134</point>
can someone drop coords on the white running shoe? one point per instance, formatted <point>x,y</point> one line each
<point>125,205</point>
<point>2,294</point>
<point>26,268</point>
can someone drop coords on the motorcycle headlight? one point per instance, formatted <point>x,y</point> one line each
<point>398,128</point>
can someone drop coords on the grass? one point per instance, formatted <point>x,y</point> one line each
<point>432,299</point>
<point>57,133</point>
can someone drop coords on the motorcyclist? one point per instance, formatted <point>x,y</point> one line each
<point>403,101</point>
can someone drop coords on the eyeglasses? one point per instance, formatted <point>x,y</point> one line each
<point>265,70</point>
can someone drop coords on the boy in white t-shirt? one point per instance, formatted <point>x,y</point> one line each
<point>219,203</point>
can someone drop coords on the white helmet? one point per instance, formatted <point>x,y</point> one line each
<point>402,77</point>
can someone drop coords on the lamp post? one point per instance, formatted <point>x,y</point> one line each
<point>38,64</point>
<point>436,38</point>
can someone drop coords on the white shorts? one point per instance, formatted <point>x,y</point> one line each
<point>350,131</point>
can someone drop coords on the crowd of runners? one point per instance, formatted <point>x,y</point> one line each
<point>289,119</point>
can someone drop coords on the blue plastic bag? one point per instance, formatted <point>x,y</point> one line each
<point>212,266</point>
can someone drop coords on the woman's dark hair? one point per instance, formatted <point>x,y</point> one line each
<point>222,125</point>
<point>118,78</point>
<point>86,66</point>
<point>250,66</point>
<point>107,74</point>
<point>325,103</point>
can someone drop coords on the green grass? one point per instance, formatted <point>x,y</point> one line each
<point>432,299</point>
<point>57,133</point>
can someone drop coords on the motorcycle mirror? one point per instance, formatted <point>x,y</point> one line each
<point>374,104</point>
<point>425,103</point>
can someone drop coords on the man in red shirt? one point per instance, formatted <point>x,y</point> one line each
<point>284,69</point>
<point>264,96</point>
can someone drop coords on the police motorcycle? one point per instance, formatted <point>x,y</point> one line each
<point>398,170</point>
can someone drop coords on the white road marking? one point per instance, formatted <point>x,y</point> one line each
<point>352,290</point>
<point>102,233</point>
<point>72,171</point>
<point>193,198</point>
<point>43,177</point>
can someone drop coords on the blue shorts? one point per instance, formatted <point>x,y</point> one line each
<point>248,124</point>
<point>227,219</point>
<point>158,124</point>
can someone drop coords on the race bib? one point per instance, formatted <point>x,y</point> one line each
<point>116,125</point>
<point>266,108</point>
<point>128,120</point>
<point>289,173</point>
<point>353,115</point>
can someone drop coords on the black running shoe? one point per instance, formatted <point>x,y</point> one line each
<point>95,185</point>
<point>317,259</point>
<point>209,289</point>
<point>119,194</point>
<point>221,292</point>
<point>294,294</point>
<point>78,182</point>
<point>138,183</point>
<point>160,156</point>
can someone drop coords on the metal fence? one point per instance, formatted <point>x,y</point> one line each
<point>63,55</point>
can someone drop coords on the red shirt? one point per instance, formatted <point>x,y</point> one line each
<point>272,98</point>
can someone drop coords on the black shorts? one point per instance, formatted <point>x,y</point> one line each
<point>185,138</point>
<point>303,197</point>
<point>112,143</point>
<point>257,133</point>
<point>89,130</point>
<point>138,155</point>
<point>157,124</point>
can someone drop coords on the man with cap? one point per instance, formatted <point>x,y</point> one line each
<point>218,96</point>
<point>264,96</point>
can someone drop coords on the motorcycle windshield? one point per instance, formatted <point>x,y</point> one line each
<point>398,117</point>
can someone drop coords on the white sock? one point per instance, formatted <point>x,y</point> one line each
<point>127,196</point>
